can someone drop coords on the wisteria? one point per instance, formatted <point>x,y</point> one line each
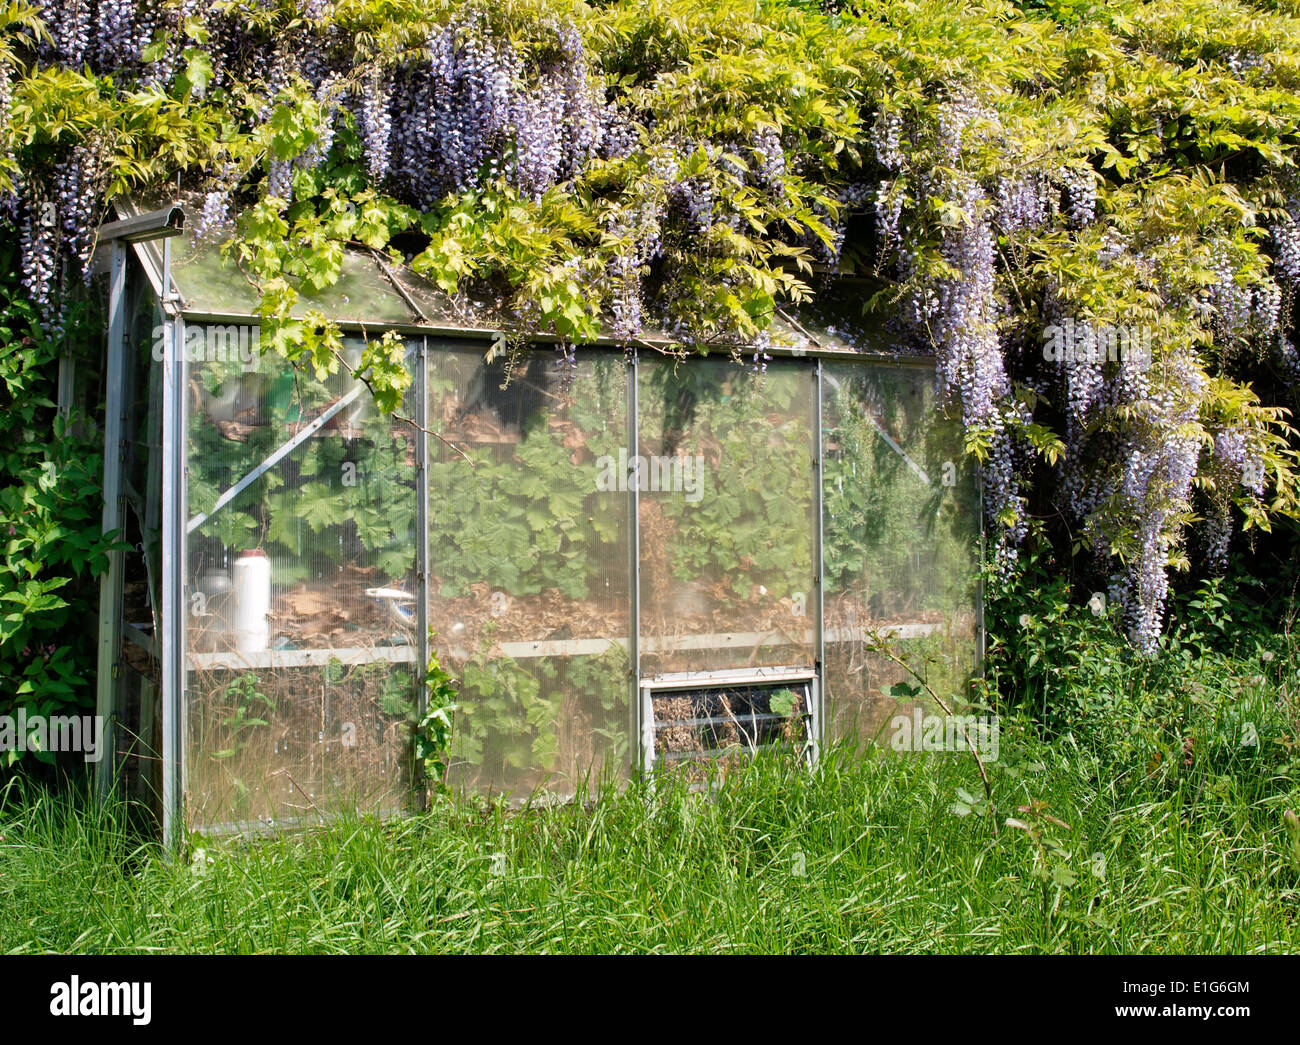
<point>376,123</point>
<point>76,187</point>
<point>214,215</point>
<point>70,24</point>
<point>957,187</point>
<point>59,206</point>
<point>1138,506</point>
<point>472,108</point>
<point>318,152</point>
<point>691,204</point>
<point>1286,244</point>
<point>760,357</point>
<point>117,40</point>
<point>618,136</point>
<point>1160,462</point>
<point>1080,185</point>
<point>769,168</point>
<point>452,119</point>
<point>1021,203</point>
<point>886,140</point>
<point>38,242</point>
<point>566,365</point>
<point>955,115</point>
<point>159,72</point>
<point>279,179</point>
<point>8,198</point>
<point>959,316</point>
<point>888,207</point>
<point>625,300</point>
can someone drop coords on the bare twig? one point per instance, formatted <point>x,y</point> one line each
<point>880,645</point>
<point>1011,275</point>
<point>402,417</point>
<point>401,290</point>
<point>302,792</point>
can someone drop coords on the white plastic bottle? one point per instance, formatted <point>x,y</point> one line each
<point>214,621</point>
<point>252,601</point>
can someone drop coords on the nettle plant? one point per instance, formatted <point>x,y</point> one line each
<point>527,517</point>
<point>512,725</point>
<point>1003,171</point>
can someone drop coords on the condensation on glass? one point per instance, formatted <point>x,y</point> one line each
<point>529,594</point>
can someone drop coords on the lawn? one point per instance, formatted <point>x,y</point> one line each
<point>1137,805</point>
<point>865,853</point>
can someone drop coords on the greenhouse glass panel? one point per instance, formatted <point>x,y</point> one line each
<point>727,518</point>
<point>211,284</point>
<point>137,739</point>
<point>900,542</point>
<point>530,563</point>
<point>301,592</point>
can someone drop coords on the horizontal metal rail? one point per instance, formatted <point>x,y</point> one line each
<point>731,749</point>
<point>745,719</point>
<point>269,660</point>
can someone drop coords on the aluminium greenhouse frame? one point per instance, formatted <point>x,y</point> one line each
<point>151,237</point>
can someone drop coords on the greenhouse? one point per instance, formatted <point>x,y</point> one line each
<point>625,556</point>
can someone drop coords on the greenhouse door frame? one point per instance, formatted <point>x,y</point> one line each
<point>125,281</point>
<point>640,717</point>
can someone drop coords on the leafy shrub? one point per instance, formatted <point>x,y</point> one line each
<point>1214,698</point>
<point>50,505</point>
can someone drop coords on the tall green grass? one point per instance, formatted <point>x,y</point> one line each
<point>863,854</point>
<point>1146,811</point>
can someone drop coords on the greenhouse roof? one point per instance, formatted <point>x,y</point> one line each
<point>372,292</point>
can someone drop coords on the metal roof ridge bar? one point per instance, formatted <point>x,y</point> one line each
<point>139,228</point>
<point>274,459</point>
<point>459,333</point>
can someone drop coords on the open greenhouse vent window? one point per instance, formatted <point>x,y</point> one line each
<point>694,716</point>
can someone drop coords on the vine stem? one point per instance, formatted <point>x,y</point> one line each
<point>402,417</point>
<point>401,290</point>
<point>365,381</point>
<point>879,643</point>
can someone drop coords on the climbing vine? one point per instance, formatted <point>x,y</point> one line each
<point>1123,172</point>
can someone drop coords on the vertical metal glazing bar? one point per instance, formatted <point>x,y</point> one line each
<point>172,639</point>
<point>110,585</point>
<point>646,738</point>
<point>67,378</point>
<point>422,524</point>
<point>167,295</point>
<point>819,711</point>
<point>634,543</point>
